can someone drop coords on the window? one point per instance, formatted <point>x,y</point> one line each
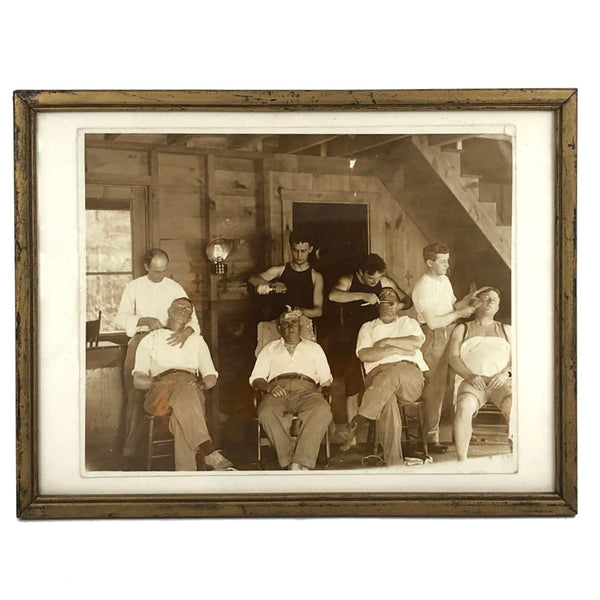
<point>115,222</point>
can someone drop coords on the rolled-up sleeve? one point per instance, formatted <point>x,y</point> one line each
<point>322,366</point>
<point>365,337</point>
<point>262,365</point>
<point>126,317</point>
<point>205,362</point>
<point>422,297</point>
<point>414,329</point>
<point>143,356</point>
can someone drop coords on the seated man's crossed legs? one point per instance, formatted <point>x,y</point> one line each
<point>178,398</point>
<point>384,386</point>
<point>275,414</point>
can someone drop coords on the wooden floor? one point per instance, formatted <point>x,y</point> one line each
<point>243,453</point>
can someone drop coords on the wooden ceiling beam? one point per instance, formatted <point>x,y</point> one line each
<point>292,144</point>
<point>178,139</point>
<point>244,140</point>
<point>352,145</point>
<point>447,139</point>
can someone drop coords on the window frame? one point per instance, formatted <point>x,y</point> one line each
<point>138,207</point>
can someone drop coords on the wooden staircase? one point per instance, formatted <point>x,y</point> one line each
<point>485,203</point>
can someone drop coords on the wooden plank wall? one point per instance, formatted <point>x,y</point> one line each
<point>235,185</point>
<point>404,243</point>
<point>104,408</point>
<point>178,221</point>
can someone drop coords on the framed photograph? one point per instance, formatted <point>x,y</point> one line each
<point>296,303</point>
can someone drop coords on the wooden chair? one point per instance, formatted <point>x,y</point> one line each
<point>266,331</point>
<point>262,439</point>
<point>490,426</point>
<point>92,331</point>
<point>160,444</point>
<point>414,437</point>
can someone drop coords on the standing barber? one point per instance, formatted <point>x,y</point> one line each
<point>144,307</point>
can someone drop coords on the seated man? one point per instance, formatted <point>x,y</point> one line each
<point>358,297</point>
<point>289,371</point>
<point>389,348</point>
<point>169,373</point>
<point>479,353</point>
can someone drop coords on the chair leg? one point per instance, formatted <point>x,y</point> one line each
<point>375,436</point>
<point>422,430</point>
<point>258,446</point>
<point>414,423</point>
<point>372,436</point>
<point>149,443</point>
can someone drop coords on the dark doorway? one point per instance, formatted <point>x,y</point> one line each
<point>340,234</point>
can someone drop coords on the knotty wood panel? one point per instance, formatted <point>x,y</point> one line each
<point>235,183</point>
<point>117,162</point>
<point>181,227</point>
<point>175,202</point>
<point>182,169</point>
<point>104,407</point>
<point>404,243</point>
<point>229,163</point>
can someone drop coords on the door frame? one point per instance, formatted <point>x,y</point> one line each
<point>375,217</point>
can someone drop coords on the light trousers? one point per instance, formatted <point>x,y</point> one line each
<point>435,353</point>
<point>275,415</point>
<point>385,385</point>
<point>187,418</point>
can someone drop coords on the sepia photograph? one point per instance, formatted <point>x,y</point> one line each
<point>267,302</point>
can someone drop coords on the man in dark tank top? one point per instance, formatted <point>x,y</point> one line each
<point>295,284</point>
<point>358,296</point>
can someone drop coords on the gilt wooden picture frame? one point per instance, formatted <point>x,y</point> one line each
<point>72,129</point>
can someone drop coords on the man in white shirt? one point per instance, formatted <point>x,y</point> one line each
<point>290,370</point>
<point>143,308</point>
<point>173,377</point>
<point>437,312</point>
<point>389,348</point>
<point>480,353</point>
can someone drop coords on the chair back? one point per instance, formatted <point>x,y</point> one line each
<point>267,332</point>
<point>92,331</point>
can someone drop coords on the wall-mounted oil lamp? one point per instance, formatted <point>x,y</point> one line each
<point>217,251</point>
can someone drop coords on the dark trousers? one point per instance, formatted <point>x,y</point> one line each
<point>134,426</point>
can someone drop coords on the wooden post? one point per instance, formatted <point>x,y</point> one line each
<point>213,299</point>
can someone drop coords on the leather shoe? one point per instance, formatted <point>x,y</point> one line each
<point>218,462</point>
<point>347,445</point>
<point>347,431</point>
<point>437,448</point>
<point>298,467</point>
